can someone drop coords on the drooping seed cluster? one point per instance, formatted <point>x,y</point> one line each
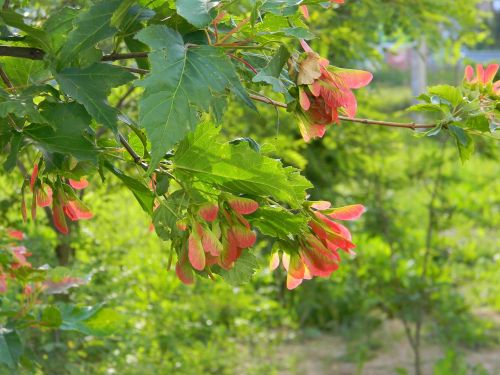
<point>217,235</point>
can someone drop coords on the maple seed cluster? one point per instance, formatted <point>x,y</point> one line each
<point>318,248</point>
<point>17,260</point>
<point>323,92</point>
<point>483,78</point>
<point>218,234</point>
<point>62,198</point>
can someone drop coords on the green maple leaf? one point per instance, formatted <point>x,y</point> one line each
<point>11,347</point>
<point>184,79</point>
<point>242,271</point>
<point>91,27</point>
<point>238,168</point>
<point>20,106</point>
<point>91,85</point>
<point>66,133</point>
<point>199,13</point>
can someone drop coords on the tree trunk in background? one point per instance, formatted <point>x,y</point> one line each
<point>418,74</point>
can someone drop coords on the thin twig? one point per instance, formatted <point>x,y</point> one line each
<point>8,83</point>
<point>133,70</point>
<point>125,56</point>
<point>407,125</point>
<point>5,79</point>
<point>243,61</point>
<point>37,54</point>
<point>125,96</point>
<point>235,30</point>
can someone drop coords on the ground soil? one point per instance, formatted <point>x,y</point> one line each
<point>326,355</point>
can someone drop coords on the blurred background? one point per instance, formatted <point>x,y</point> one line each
<point>421,297</point>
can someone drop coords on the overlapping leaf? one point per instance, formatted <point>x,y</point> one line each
<point>91,85</point>
<point>184,79</point>
<point>271,72</point>
<point>238,168</point>
<point>197,12</point>
<point>66,132</point>
<point>91,27</point>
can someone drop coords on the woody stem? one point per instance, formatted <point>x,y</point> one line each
<point>406,125</point>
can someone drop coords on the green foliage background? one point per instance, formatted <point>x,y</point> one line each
<point>408,185</point>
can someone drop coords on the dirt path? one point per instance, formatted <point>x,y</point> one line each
<point>325,355</point>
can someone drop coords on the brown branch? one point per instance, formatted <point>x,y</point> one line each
<point>125,56</point>
<point>264,99</point>
<point>407,125</point>
<point>243,61</point>
<point>37,54</point>
<point>22,52</point>
<point>133,70</point>
<point>235,30</point>
<point>121,101</point>
<point>8,83</point>
<point>5,79</point>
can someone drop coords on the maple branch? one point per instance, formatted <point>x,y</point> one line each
<point>8,83</point>
<point>406,125</point>
<point>133,70</point>
<point>37,54</point>
<point>5,79</point>
<point>235,30</point>
<point>243,61</point>
<point>125,56</point>
<point>22,52</point>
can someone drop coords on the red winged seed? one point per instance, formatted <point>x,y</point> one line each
<point>44,197</point>
<point>210,243</point>
<point>181,225</point>
<point>184,271</point>
<point>230,251</point>
<point>244,206</point>
<point>199,229</point>
<point>232,246</point>
<point>79,185</point>
<point>292,282</point>
<point>318,229</point>
<point>318,259</point>
<point>34,176</point>
<point>59,219</point>
<point>245,238</point>
<point>274,262</point>
<point>76,210</point>
<point>317,264</point>
<point>321,205</point>
<point>351,212</point>
<point>209,212</point>
<point>33,206</point>
<point>337,233</point>
<point>242,220</point>
<point>216,229</point>
<point>23,209</point>
<point>195,252</point>
<point>15,234</point>
<point>296,268</point>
